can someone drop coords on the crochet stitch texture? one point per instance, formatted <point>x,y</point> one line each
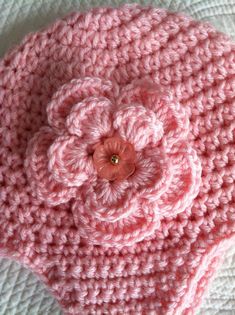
<point>149,241</point>
<point>164,176</point>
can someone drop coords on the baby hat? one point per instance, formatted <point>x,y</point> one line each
<point>117,159</point>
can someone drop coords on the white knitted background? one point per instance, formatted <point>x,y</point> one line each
<point>21,293</point>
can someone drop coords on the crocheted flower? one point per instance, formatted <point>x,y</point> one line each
<point>123,162</point>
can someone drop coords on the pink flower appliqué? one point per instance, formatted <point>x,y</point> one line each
<point>122,162</point>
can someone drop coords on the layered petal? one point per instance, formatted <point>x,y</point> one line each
<point>70,94</point>
<point>109,200</point>
<point>91,118</point>
<point>110,192</point>
<point>141,224</point>
<point>69,161</point>
<point>185,183</point>
<point>153,174</point>
<point>42,182</point>
<point>175,121</point>
<point>138,125</point>
<point>160,100</point>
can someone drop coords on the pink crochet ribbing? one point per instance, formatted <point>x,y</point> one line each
<point>117,159</point>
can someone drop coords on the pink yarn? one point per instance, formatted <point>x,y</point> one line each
<point>60,167</point>
<point>147,240</point>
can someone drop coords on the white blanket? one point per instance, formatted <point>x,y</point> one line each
<point>21,293</point>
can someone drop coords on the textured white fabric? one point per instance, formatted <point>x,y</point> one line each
<point>21,293</point>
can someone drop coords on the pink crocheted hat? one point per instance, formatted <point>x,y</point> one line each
<point>117,159</point>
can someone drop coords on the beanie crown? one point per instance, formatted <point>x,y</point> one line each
<point>117,159</point>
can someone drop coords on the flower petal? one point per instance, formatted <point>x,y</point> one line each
<point>70,94</point>
<point>124,232</point>
<point>175,121</point>
<point>69,161</point>
<point>91,117</point>
<point>47,189</point>
<point>109,201</point>
<point>159,99</point>
<point>138,125</point>
<point>110,193</point>
<point>185,184</point>
<point>153,174</point>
